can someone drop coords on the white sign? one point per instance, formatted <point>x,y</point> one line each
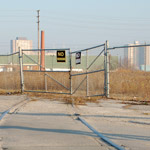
<point>78,58</point>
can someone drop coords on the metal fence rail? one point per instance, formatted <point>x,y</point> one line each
<point>91,48</point>
<point>117,47</point>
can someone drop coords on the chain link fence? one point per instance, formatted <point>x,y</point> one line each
<point>9,73</point>
<point>121,72</point>
<point>88,71</point>
<point>130,72</point>
<point>52,77</point>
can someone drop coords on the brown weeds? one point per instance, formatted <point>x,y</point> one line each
<point>130,84</point>
<point>124,84</point>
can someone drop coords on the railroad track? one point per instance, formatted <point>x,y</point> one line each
<point>105,139</point>
<point>13,108</point>
<point>17,106</point>
<point>101,136</point>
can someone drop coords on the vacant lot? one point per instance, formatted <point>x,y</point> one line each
<point>124,84</point>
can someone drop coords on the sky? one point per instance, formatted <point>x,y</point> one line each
<point>75,24</point>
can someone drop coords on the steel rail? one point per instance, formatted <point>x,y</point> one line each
<point>8,110</point>
<point>4,113</point>
<point>105,139</point>
<point>87,72</point>
<point>88,48</point>
<point>57,82</point>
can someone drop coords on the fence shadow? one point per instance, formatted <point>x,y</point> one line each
<point>62,131</point>
<point>123,117</point>
<point>44,114</point>
<point>127,136</point>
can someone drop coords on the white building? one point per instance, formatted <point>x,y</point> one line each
<point>145,58</point>
<point>21,42</point>
<point>131,55</point>
<point>147,55</point>
<point>137,57</point>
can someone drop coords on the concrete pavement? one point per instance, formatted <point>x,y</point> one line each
<point>50,125</point>
<point>47,125</point>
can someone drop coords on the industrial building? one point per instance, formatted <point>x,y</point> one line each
<point>137,57</point>
<point>131,56</point>
<point>21,42</point>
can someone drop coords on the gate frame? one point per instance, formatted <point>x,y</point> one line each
<point>21,72</point>
<point>106,69</point>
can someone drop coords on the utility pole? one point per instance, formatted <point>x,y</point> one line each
<point>145,52</point>
<point>38,22</point>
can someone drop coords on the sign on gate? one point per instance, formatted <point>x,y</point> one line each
<point>78,58</point>
<point>61,56</point>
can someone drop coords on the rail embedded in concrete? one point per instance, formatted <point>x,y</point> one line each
<point>105,139</point>
<point>8,110</point>
<point>4,113</point>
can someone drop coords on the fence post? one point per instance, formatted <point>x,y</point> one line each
<point>21,70</point>
<point>105,86</point>
<point>87,79</point>
<point>107,69</point>
<point>70,59</point>
<point>45,82</point>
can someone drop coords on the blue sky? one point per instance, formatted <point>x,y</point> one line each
<point>75,24</point>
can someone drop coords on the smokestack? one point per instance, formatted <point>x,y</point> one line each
<point>42,51</point>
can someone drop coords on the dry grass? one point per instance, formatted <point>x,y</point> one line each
<point>76,100</point>
<point>124,84</point>
<point>9,81</point>
<point>9,92</point>
<point>129,84</point>
<point>36,81</point>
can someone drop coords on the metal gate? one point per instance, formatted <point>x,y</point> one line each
<point>89,71</point>
<point>53,77</point>
<point>84,72</point>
